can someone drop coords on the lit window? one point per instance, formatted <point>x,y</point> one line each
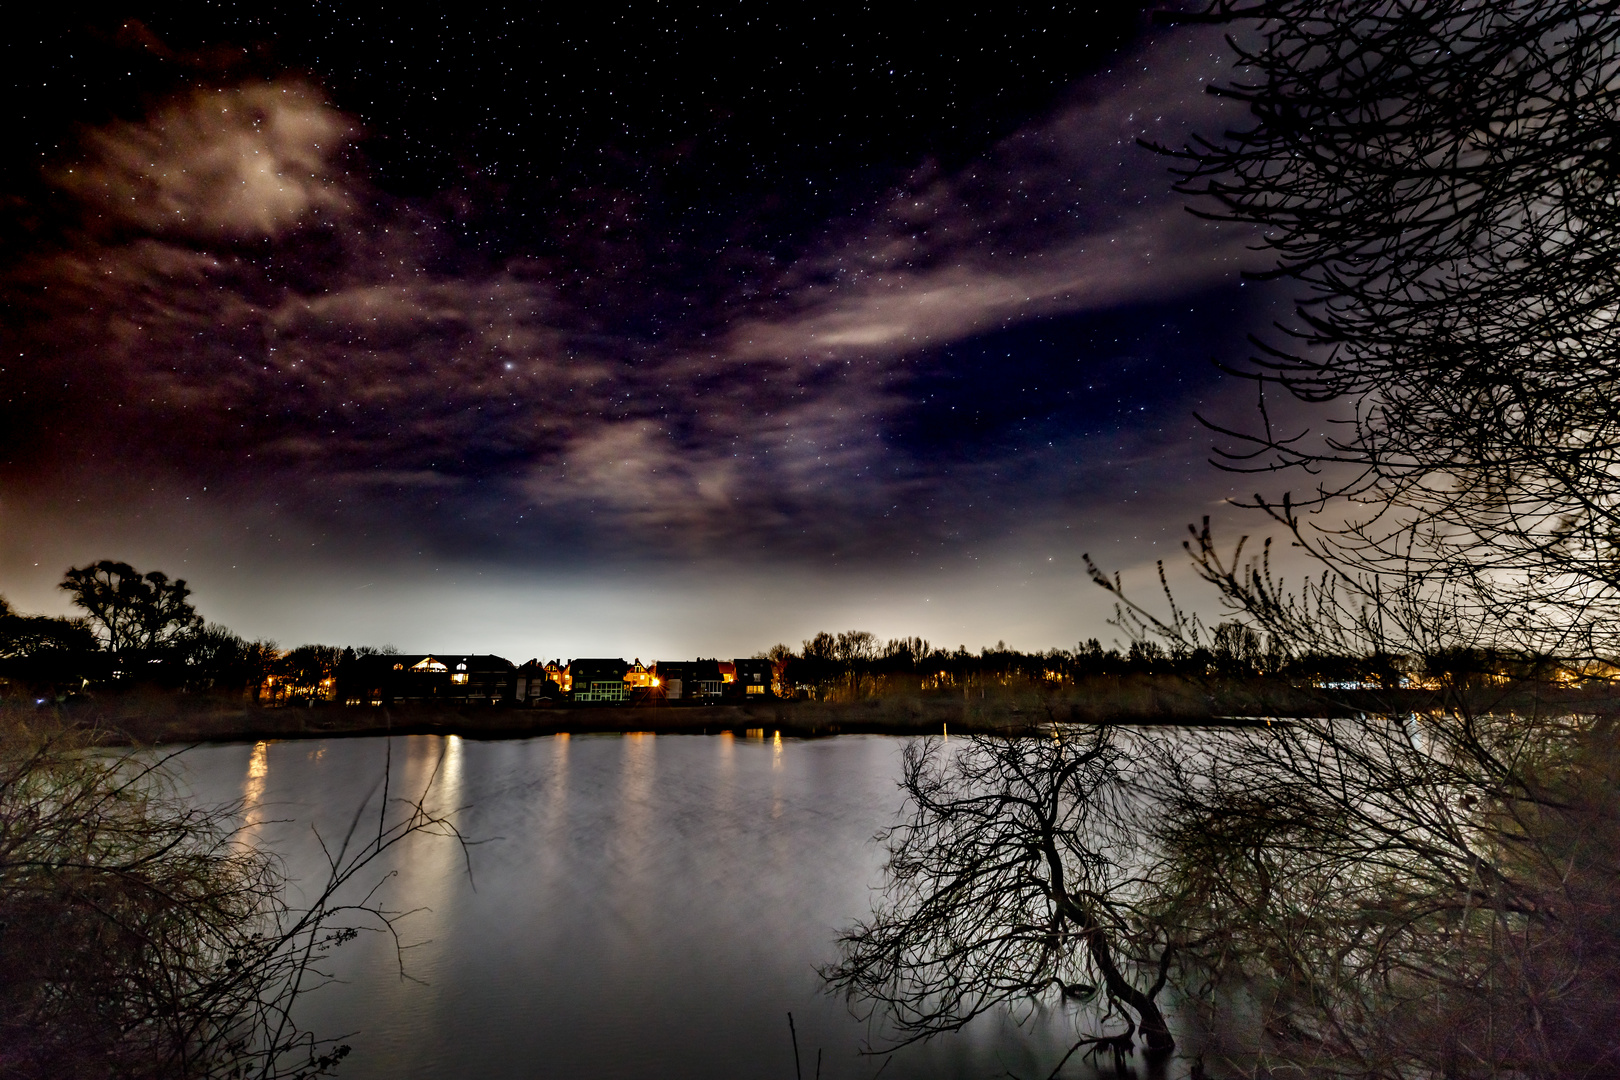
<point>459,678</point>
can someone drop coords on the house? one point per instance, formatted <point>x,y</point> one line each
<point>450,679</point>
<point>600,680</point>
<point>538,684</point>
<point>690,680</point>
<point>754,678</point>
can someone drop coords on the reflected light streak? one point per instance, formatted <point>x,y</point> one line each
<point>557,797</point>
<point>725,803</point>
<point>776,781</point>
<point>634,830</point>
<point>253,788</point>
<point>431,868</point>
<point>450,774</point>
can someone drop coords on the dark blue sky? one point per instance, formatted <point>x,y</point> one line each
<point>555,326</point>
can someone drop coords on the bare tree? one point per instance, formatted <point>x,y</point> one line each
<point>1403,896</point>
<point>1437,177</point>
<point>1011,879</point>
<point>1427,889</point>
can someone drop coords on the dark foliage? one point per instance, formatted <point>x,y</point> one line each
<point>144,936</point>
<point>132,611</point>
<point>52,657</point>
<point>1439,178</point>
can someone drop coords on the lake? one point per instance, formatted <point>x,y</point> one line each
<point>638,906</point>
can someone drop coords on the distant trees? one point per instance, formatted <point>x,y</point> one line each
<point>131,610</point>
<point>43,651</point>
<point>27,635</point>
<point>308,672</point>
<point>142,628</point>
<point>779,655</point>
<point>856,664</point>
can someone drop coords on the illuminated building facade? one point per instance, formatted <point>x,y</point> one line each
<point>600,681</point>
<point>754,678</point>
<point>690,680</point>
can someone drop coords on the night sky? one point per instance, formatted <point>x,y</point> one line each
<point>610,329</point>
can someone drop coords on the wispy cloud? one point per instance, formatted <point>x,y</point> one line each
<point>1067,215</point>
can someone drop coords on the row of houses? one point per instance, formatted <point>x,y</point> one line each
<point>481,679</point>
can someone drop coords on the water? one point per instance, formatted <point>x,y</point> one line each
<point>640,906</point>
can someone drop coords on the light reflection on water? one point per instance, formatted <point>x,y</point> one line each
<point>642,906</point>
<point>253,787</point>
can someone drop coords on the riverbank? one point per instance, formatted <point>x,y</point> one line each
<point>152,717</point>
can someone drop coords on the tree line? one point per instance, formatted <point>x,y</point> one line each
<point>143,629</point>
<point>853,665</point>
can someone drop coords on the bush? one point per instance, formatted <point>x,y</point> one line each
<point>140,935</point>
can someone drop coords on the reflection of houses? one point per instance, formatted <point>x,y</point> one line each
<point>690,680</point>
<point>600,680</point>
<point>442,677</point>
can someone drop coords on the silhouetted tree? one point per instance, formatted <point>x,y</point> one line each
<point>305,671</point>
<point>1438,177</point>
<point>1010,879</point>
<point>131,610</point>
<point>45,654</point>
<point>1419,893</point>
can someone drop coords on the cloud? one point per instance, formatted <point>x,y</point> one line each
<point>374,364</point>
<point>246,161</point>
<point>1067,215</point>
<point>1158,254</point>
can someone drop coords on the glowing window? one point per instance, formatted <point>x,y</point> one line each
<point>459,678</point>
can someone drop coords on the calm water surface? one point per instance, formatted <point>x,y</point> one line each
<point>641,906</point>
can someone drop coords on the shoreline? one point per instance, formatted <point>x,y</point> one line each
<point>160,718</point>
